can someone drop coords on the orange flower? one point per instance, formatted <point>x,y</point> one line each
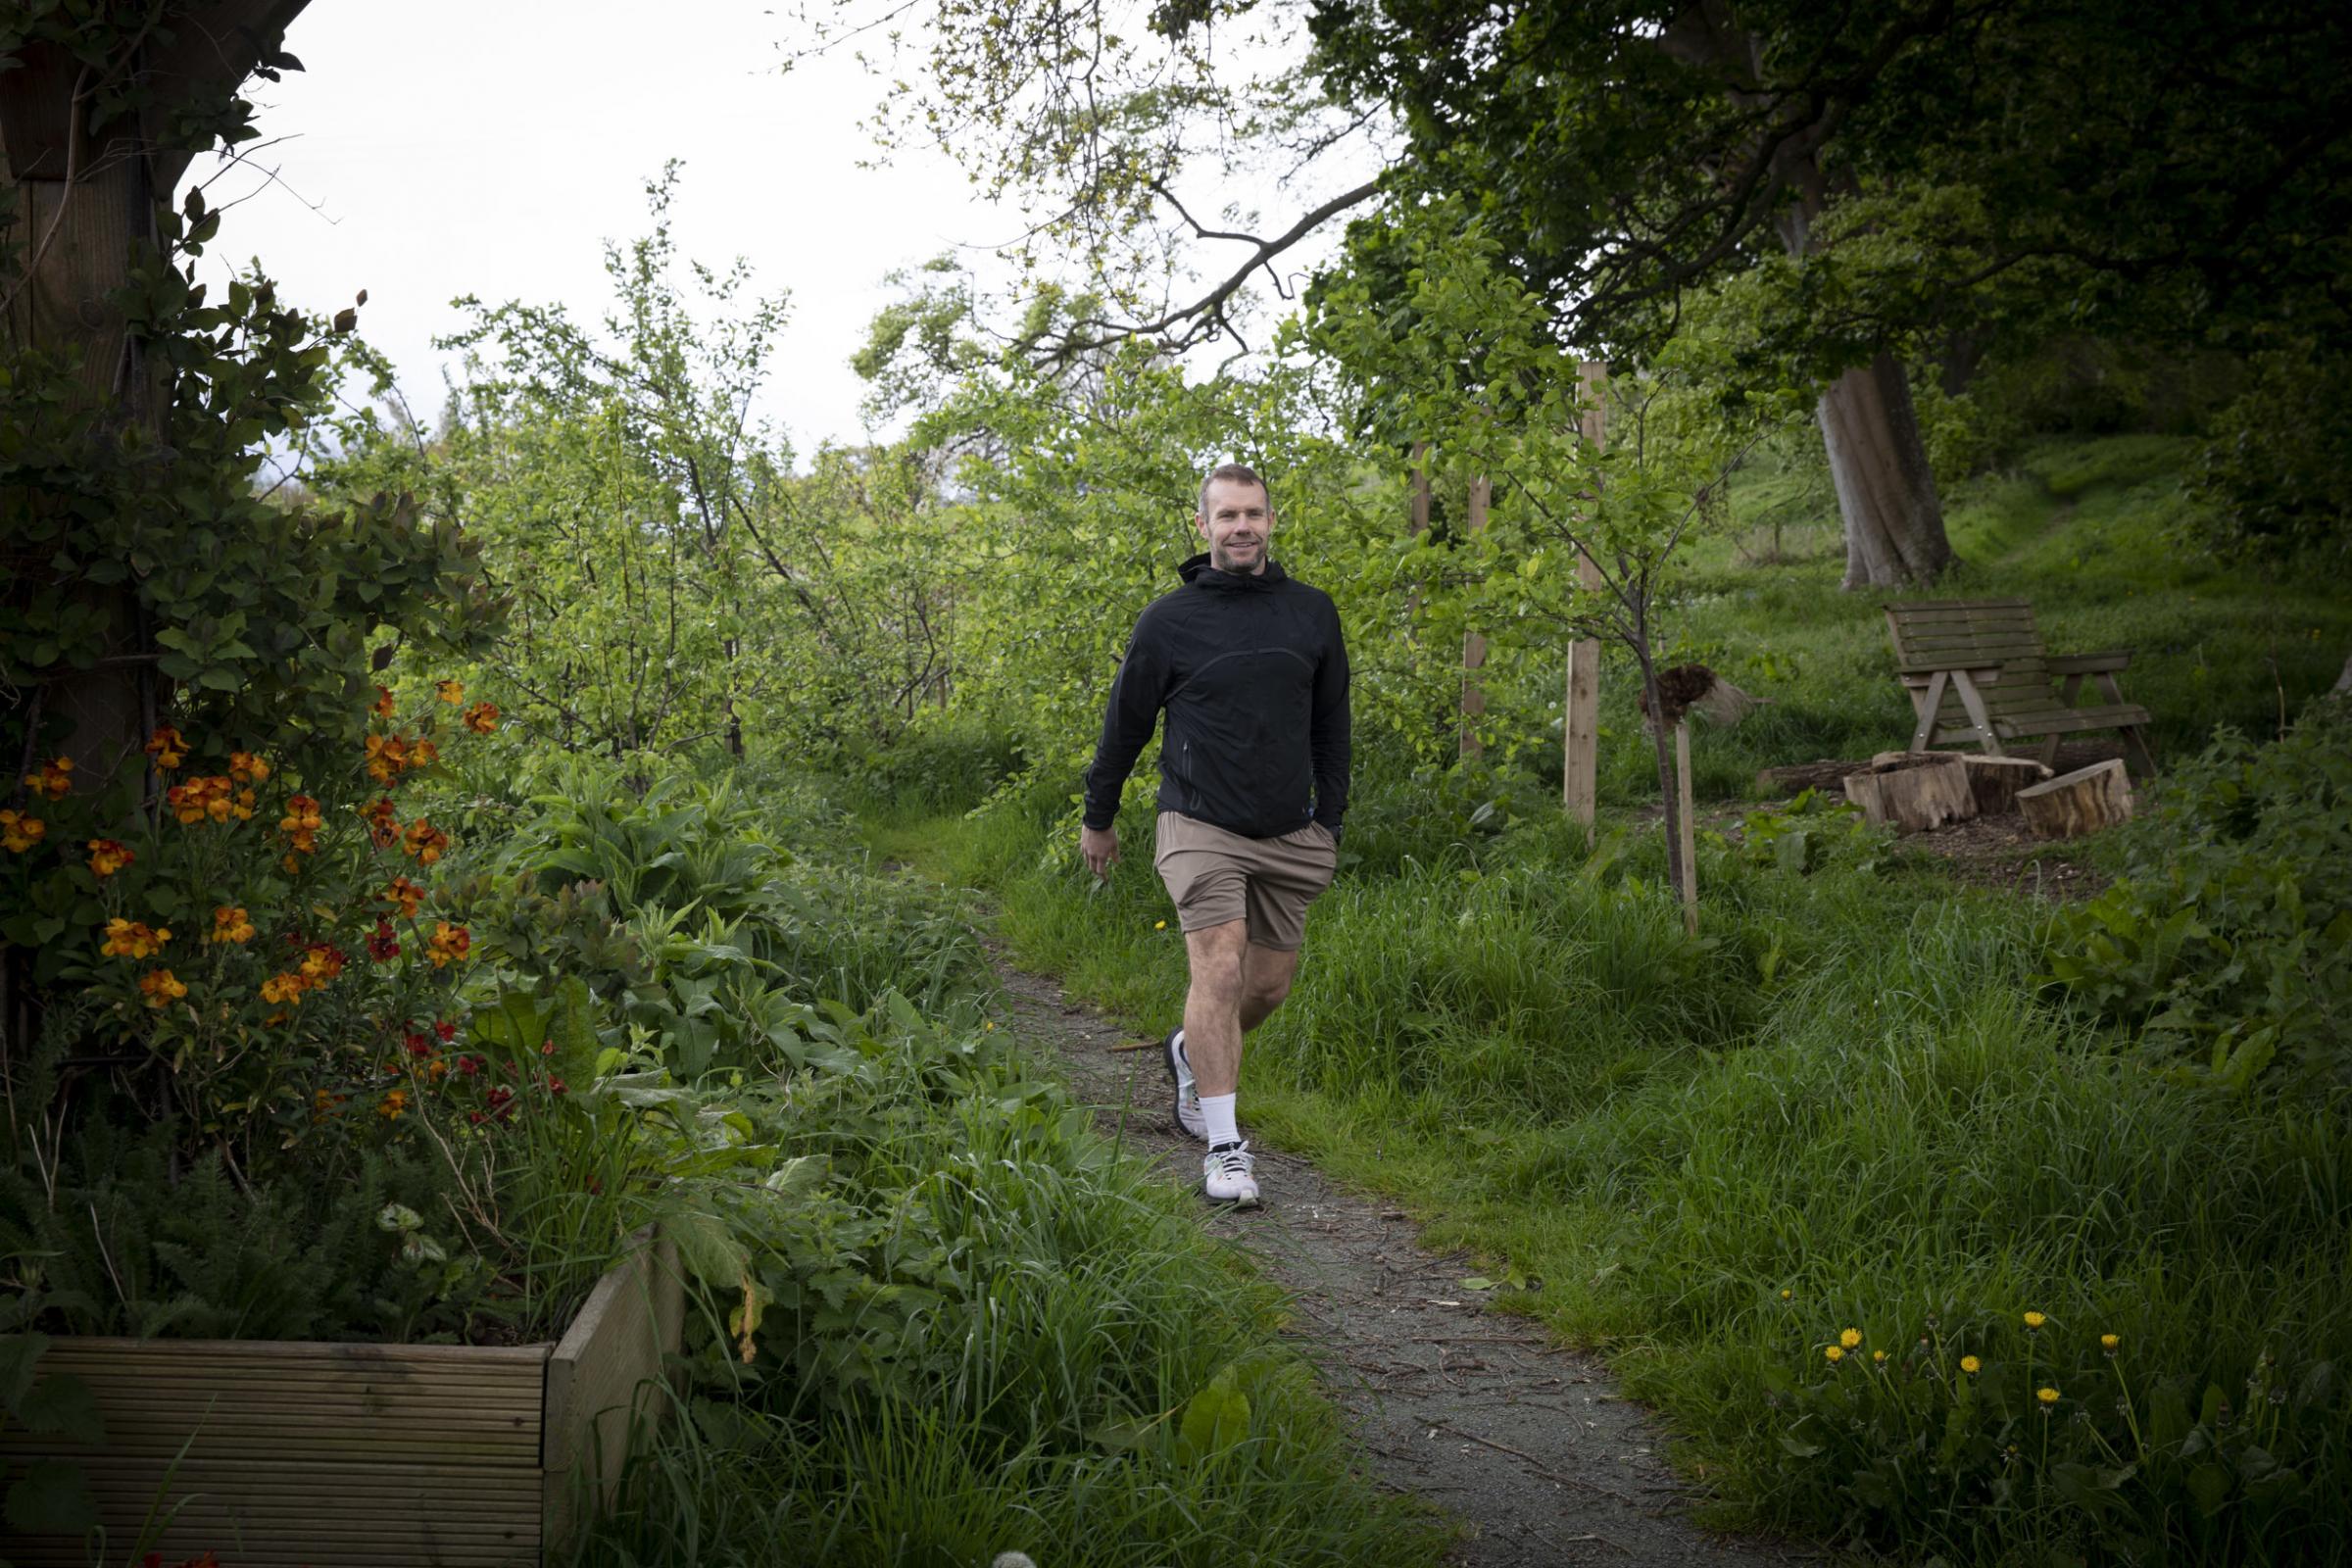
<point>229,924</point>
<point>382,705</point>
<point>424,754</point>
<point>202,797</point>
<point>395,1102</point>
<point>245,807</point>
<point>481,717</point>
<point>53,780</point>
<point>134,939</point>
<point>162,988</point>
<point>301,824</point>
<point>448,943</point>
<point>18,832</point>
<point>452,692</point>
<point>167,748</point>
<point>388,755</point>
<point>247,769</point>
<point>425,842</point>
<point>107,856</point>
<point>320,963</point>
<point>383,827</point>
<point>283,988</point>
<point>405,893</point>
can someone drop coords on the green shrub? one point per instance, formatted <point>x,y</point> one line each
<point>2227,948</point>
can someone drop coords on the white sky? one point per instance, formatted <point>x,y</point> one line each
<point>489,148</point>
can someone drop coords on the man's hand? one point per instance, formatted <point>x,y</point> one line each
<point>1099,846</point>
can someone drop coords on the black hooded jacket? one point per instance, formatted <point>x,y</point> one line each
<point>1255,680</point>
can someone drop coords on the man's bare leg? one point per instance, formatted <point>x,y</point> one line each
<point>1266,975</point>
<point>1214,1005</point>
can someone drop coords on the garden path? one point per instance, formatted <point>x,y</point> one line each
<point>1529,1445</point>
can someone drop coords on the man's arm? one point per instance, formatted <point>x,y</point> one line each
<point>1328,731</point>
<point>1136,696</point>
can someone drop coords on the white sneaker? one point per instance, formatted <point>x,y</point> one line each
<point>1188,1093</point>
<point>1225,1176</point>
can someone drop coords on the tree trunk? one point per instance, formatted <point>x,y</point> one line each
<point>1885,492</point>
<point>2067,808</point>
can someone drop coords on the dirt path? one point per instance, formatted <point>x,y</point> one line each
<point>1529,1445</point>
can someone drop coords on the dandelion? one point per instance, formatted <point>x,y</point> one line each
<point>2047,1397</point>
<point>107,856</point>
<point>167,748</point>
<point>1879,1356</point>
<point>1833,1355</point>
<point>162,988</point>
<point>1159,925</point>
<point>1971,1366</point>
<point>2034,1320</point>
<point>231,925</point>
<point>2108,1342</point>
<point>1850,1339</point>
<point>1787,1296</point>
<point>20,832</point>
<point>452,692</point>
<point>55,779</point>
<point>988,1027</point>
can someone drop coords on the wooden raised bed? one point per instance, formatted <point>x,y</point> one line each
<point>367,1455</point>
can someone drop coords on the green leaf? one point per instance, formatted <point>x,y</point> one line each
<point>53,1498</point>
<point>63,1405</point>
<point>1214,1420</point>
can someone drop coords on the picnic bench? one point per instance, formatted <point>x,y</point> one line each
<point>1976,671</point>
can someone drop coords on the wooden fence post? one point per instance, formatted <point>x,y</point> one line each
<point>1474,644</point>
<point>1580,722</point>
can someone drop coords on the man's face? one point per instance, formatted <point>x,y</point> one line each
<point>1236,523</point>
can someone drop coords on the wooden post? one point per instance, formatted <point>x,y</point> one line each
<point>1580,722</point>
<point>1689,833</point>
<point>1474,644</point>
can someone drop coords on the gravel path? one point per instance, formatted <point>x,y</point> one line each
<point>1529,1445</point>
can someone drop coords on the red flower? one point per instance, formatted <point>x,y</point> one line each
<point>470,1066</point>
<point>382,945</point>
<point>555,1085</point>
<point>418,1045</point>
<point>445,1029</point>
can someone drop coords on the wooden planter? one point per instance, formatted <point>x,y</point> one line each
<point>359,1455</point>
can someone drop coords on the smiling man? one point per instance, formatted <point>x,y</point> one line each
<point>1247,662</point>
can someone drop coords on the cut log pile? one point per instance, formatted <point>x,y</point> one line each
<point>1918,792</point>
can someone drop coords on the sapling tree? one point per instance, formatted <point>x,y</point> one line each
<point>1464,366</point>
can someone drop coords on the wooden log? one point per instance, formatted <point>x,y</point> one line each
<point>1995,780</point>
<point>2069,807</point>
<point>1915,794</point>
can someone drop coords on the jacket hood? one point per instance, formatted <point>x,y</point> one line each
<point>1196,572</point>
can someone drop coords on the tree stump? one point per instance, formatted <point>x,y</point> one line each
<point>2097,796</point>
<point>1995,780</point>
<point>1914,792</point>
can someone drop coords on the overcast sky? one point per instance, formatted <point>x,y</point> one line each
<point>487,148</point>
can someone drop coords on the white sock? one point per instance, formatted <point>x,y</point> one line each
<point>1222,1126</point>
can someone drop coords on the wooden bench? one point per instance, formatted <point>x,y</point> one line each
<point>1977,672</point>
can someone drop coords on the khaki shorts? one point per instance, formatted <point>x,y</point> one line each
<point>1216,877</point>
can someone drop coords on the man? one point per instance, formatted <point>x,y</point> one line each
<point>1247,662</point>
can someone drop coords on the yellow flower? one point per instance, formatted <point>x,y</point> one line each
<point>2034,1320</point>
<point>1850,1339</point>
<point>229,924</point>
<point>282,988</point>
<point>452,692</point>
<point>481,717</point>
<point>18,832</point>
<point>1159,925</point>
<point>1879,1356</point>
<point>395,1102</point>
<point>55,779</point>
<point>167,748</point>
<point>162,988</point>
<point>2108,1342</point>
<point>1788,1294</point>
<point>132,939</point>
<point>1833,1355</point>
<point>2047,1397</point>
<point>107,856</point>
<point>1971,1366</point>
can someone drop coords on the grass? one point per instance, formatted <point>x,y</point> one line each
<point>1849,1104</point>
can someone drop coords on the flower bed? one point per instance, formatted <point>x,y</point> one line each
<point>313,1452</point>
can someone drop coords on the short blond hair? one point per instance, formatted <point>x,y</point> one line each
<point>1236,473</point>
